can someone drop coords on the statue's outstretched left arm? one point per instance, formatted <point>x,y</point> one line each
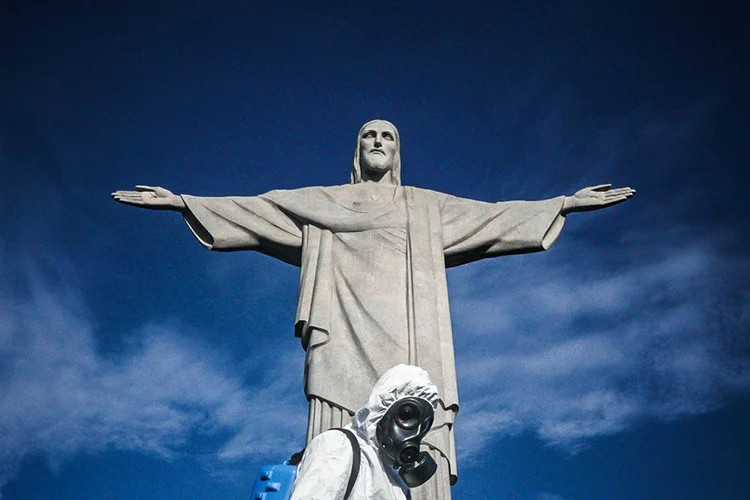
<point>596,197</point>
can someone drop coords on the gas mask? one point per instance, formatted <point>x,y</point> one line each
<point>399,434</point>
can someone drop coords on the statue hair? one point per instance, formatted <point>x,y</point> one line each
<point>395,172</point>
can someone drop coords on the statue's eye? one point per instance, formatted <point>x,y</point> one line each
<point>388,136</point>
<point>368,135</point>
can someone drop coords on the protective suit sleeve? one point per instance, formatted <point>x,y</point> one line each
<point>325,468</point>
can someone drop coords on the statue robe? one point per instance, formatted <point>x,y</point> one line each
<point>373,289</point>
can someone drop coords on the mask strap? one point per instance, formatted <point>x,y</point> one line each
<point>355,461</point>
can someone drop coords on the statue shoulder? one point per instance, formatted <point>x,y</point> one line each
<point>303,192</point>
<point>428,195</point>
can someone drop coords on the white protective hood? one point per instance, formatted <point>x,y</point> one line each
<point>325,468</point>
<point>401,381</point>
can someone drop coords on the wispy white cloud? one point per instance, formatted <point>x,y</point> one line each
<point>573,346</point>
<point>548,496</point>
<point>60,396</point>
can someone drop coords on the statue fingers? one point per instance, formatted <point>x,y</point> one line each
<point>617,200</point>
<point>129,197</point>
<point>124,193</point>
<point>120,195</point>
<point>130,201</point>
<point>622,190</point>
<point>601,187</point>
<point>128,194</point>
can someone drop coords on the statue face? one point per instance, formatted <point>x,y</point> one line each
<point>377,147</point>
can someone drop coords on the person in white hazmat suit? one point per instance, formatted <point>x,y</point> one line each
<point>388,429</point>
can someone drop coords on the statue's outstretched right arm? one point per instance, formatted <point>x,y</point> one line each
<point>153,197</point>
<point>227,223</point>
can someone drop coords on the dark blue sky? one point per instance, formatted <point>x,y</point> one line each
<point>135,364</point>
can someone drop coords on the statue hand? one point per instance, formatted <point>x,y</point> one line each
<point>596,197</point>
<point>153,197</point>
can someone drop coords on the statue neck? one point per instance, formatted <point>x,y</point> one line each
<point>383,177</point>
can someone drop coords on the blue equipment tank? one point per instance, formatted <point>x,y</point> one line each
<point>274,482</point>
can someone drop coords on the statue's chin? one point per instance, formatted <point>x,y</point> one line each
<point>378,168</point>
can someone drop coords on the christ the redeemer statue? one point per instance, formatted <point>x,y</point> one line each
<point>373,255</point>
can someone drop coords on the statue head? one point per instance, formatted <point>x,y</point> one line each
<point>377,156</point>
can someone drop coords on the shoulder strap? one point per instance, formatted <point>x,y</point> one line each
<point>355,461</point>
